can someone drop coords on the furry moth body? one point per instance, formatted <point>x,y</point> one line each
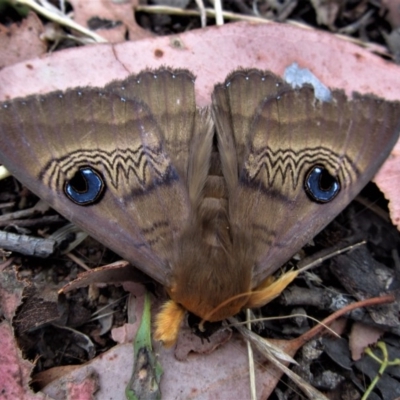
<point>133,165</point>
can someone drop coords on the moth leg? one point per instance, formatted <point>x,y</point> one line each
<point>269,289</point>
<point>168,322</point>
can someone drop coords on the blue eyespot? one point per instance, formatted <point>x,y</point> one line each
<point>86,187</point>
<point>320,186</point>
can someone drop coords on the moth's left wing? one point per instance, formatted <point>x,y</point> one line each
<point>291,162</point>
<point>113,160</point>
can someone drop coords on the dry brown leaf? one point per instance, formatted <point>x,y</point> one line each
<point>15,371</point>
<point>116,16</point>
<point>21,41</point>
<point>222,374</point>
<point>73,382</point>
<point>388,179</point>
<point>361,336</point>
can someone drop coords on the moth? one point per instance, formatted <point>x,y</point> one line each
<point>135,165</point>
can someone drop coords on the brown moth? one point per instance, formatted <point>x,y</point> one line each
<point>133,165</point>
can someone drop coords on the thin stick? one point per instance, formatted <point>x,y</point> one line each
<point>311,392</point>
<point>305,265</point>
<point>203,15</point>
<point>62,20</point>
<point>363,303</point>
<point>250,354</point>
<point>4,173</point>
<point>219,17</point>
<point>78,261</point>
